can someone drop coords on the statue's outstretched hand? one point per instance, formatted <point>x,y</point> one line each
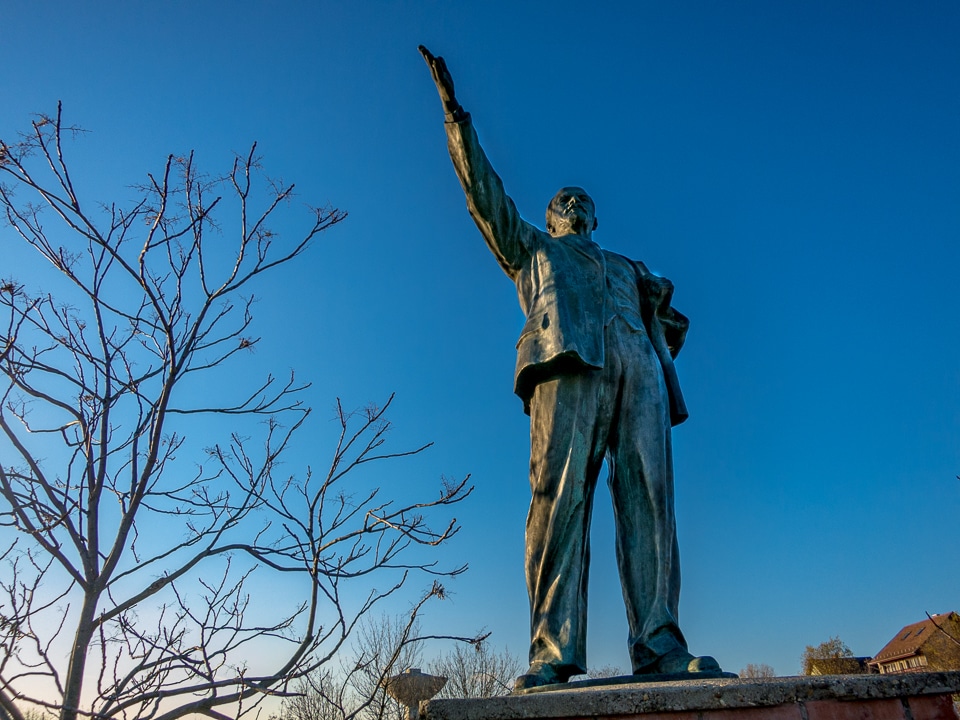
<point>443,80</point>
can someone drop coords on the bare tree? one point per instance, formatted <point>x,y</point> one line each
<point>314,698</point>
<point>383,646</point>
<point>604,671</point>
<point>758,670</point>
<point>127,586</point>
<point>476,671</point>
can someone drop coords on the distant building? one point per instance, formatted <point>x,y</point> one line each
<point>840,666</point>
<point>931,644</point>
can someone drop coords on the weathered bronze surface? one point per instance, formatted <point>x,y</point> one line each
<point>596,375</point>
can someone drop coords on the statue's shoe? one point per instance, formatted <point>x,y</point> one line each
<point>538,675</point>
<point>680,661</point>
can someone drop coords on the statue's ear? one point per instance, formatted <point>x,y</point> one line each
<point>596,223</point>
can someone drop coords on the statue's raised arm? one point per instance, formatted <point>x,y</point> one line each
<point>507,234</point>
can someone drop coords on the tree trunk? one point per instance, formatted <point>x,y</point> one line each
<point>73,686</point>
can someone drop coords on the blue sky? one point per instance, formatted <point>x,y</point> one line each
<point>793,167</point>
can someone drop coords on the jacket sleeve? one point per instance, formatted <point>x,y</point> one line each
<point>508,236</point>
<point>667,329</point>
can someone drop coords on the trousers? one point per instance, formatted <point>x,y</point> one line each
<point>619,413</point>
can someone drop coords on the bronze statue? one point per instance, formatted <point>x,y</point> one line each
<point>595,373</point>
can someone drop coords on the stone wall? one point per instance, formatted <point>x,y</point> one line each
<point>911,696</point>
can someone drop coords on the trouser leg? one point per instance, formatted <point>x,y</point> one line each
<point>566,453</point>
<point>641,485</point>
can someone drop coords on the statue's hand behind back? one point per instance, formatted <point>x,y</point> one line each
<point>442,79</point>
<point>659,290</point>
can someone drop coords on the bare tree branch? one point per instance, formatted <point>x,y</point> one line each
<point>138,569</point>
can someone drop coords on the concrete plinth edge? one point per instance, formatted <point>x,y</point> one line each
<point>910,696</point>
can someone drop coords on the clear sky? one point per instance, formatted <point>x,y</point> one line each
<point>793,167</point>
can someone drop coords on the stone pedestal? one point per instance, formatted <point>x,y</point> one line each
<point>912,696</point>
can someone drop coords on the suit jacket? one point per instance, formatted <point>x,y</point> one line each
<point>561,282</point>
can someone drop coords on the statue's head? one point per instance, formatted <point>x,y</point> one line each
<point>571,212</point>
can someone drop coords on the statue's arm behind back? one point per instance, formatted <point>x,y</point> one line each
<point>656,295</point>
<point>667,329</point>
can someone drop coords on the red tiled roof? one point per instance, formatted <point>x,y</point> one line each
<point>910,638</point>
